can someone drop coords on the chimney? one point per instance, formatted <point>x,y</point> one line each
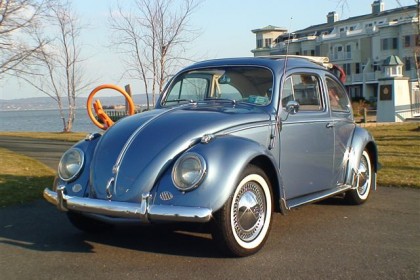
<point>378,6</point>
<point>332,17</point>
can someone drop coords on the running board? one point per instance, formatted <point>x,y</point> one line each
<point>298,201</point>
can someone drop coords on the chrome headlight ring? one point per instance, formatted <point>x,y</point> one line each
<point>189,171</point>
<point>71,164</point>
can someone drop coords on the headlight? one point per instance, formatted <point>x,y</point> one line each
<point>71,163</point>
<point>188,171</point>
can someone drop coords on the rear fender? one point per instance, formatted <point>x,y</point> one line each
<point>361,140</point>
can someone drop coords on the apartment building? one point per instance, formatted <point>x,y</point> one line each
<point>364,46</point>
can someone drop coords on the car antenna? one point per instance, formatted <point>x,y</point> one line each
<point>277,126</point>
<point>283,78</point>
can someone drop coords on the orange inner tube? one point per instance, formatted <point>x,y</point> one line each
<point>97,106</point>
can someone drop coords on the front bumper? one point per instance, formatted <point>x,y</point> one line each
<point>143,212</point>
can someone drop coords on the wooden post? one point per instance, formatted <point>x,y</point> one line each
<point>128,90</point>
<point>364,115</point>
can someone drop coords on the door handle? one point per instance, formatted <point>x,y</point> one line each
<point>329,125</point>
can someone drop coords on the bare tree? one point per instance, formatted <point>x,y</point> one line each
<point>17,17</point>
<point>58,70</point>
<point>152,36</point>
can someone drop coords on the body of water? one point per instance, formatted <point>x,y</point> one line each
<point>43,120</point>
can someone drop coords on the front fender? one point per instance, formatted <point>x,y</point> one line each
<point>226,157</point>
<point>79,186</point>
<point>361,140</point>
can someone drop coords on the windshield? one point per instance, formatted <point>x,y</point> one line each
<point>239,84</point>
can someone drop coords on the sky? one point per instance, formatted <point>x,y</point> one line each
<point>225,31</point>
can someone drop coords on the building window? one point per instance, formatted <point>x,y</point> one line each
<point>389,44</point>
<point>357,68</point>
<point>312,52</point>
<point>348,52</point>
<point>395,71</point>
<point>347,68</point>
<point>268,42</point>
<point>355,92</point>
<point>407,63</point>
<point>407,41</point>
<point>259,43</point>
<point>394,43</point>
<point>384,44</point>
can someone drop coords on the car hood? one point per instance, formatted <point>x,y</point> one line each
<point>131,154</point>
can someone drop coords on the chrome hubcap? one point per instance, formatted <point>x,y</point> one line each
<point>249,211</point>
<point>363,177</point>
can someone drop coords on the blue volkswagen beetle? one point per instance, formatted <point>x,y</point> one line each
<point>229,142</point>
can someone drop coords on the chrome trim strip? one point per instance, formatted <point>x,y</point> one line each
<point>143,212</point>
<point>242,127</point>
<point>324,120</point>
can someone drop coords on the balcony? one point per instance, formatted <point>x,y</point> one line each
<point>364,77</point>
<point>340,56</point>
<point>345,56</point>
<point>348,33</point>
<point>369,77</point>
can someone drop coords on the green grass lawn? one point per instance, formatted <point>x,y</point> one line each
<point>22,179</point>
<point>399,154</point>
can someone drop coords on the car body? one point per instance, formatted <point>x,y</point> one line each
<point>229,142</point>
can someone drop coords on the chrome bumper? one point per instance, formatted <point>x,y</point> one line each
<point>143,212</point>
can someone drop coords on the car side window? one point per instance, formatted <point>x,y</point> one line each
<point>339,100</point>
<point>305,89</point>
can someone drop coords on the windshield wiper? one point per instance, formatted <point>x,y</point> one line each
<point>233,101</point>
<point>181,100</point>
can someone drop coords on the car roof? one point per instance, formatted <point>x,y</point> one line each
<point>274,62</point>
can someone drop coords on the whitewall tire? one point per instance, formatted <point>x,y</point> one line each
<point>243,224</point>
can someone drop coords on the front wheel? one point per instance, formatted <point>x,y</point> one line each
<point>363,181</point>
<point>242,225</point>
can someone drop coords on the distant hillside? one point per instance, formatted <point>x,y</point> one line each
<point>47,103</point>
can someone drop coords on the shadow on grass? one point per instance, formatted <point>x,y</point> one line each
<point>22,189</point>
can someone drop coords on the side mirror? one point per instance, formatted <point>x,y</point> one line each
<point>292,107</point>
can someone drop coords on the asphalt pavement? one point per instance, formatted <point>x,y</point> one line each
<point>328,240</point>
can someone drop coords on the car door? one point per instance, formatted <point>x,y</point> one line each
<point>342,121</point>
<point>306,138</point>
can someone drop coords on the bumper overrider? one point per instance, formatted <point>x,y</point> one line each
<point>144,212</point>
